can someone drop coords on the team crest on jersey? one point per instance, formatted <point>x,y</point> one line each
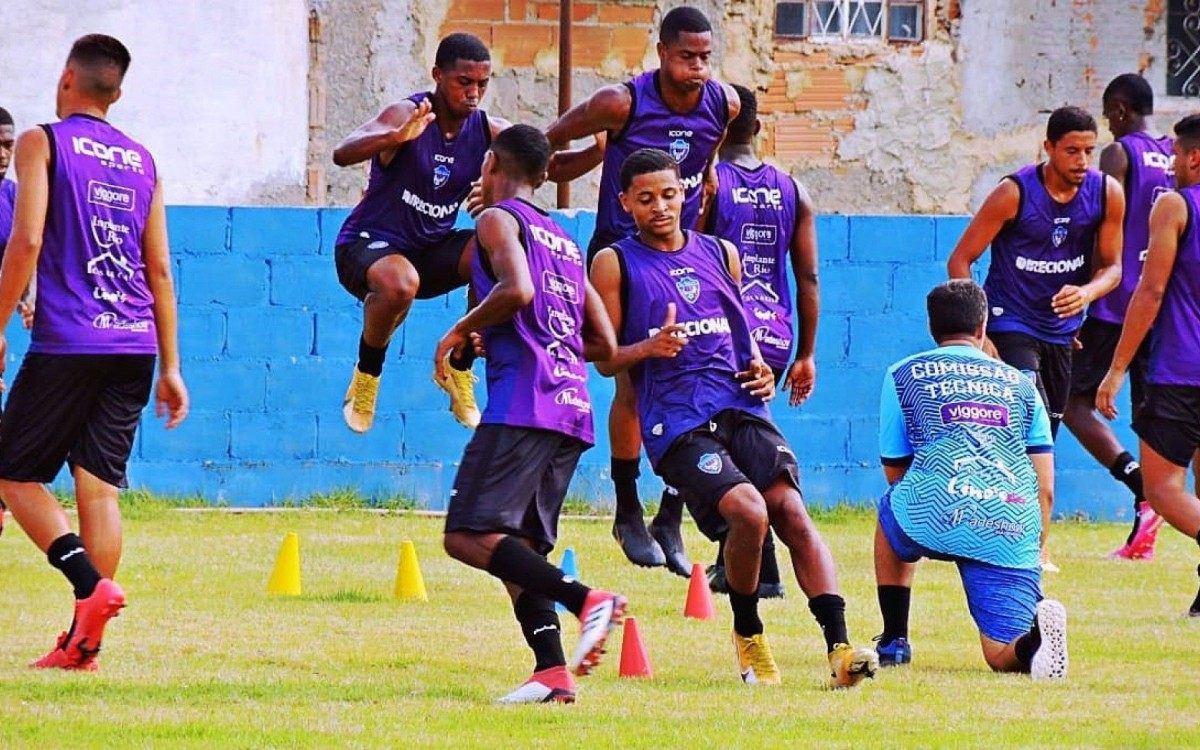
<point>709,463</point>
<point>680,149</point>
<point>441,175</point>
<point>1059,235</point>
<point>689,287</point>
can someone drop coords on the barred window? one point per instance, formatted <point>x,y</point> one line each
<point>890,20</point>
<point>1183,48</point>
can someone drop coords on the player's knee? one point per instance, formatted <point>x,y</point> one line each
<point>395,285</point>
<point>456,545</point>
<point>745,510</point>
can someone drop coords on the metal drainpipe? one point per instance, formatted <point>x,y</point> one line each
<point>565,11</point>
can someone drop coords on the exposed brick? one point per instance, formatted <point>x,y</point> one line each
<point>579,11</point>
<point>475,28</point>
<point>518,10</point>
<point>518,44</point>
<point>640,15</point>
<point>630,43</point>
<point>822,90</point>
<point>590,45</point>
<point>804,137</point>
<point>476,10</point>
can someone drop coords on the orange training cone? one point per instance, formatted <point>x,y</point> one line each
<point>635,662</point>
<point>699,599</point>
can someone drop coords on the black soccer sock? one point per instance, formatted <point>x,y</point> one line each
<point>68,555</point>
<point>830,611</point>
<point>1026,646</point>
<point>746,621</point>
<point>1125,469</point>
<point>720,563</point>
<point>769,570</point>
<point>513,561</point>
<point>894,602</point>
<point>370,358</point>
<point>541,628</point>
<point>624,476</point>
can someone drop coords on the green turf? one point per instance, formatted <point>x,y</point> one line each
<point>203,658</point>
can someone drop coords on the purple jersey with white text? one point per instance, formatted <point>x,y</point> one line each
<point>91,282</point>
<point>1150,174</point>
<point>677,394</point>
<point>536,375</point>
<point>755,209</point>
<point>690,138</point>
<point>1047,246</point>
<point>1175,341</point>
<point>413,202</point>
<point>8,201</point>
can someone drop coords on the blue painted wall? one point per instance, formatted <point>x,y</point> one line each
<point>269,339</point>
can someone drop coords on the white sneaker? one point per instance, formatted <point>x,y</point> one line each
<point>553,685</point>
<point>1050,661</point>
<point>602,611</point>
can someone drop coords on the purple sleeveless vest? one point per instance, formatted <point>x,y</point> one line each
<point>92,292</point>
<point>678,394</point>
<point>1150,174</point>
<point>1048,245</point>
<point>690,138</point>
<point>413,202</point>
<point>536,374</point>
<point>756,211</point>
<point>8,200</point>
<point>1175,340</point>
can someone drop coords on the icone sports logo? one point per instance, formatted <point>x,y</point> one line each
<point>559,246</point>
<point>758,197</point>
<point>117,157</point>
<point>1155,160</point>
<point>110,196</point>
<point>432,210</point>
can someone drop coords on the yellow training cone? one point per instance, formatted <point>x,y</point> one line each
<point>285,578</point>
<point>409,583</point>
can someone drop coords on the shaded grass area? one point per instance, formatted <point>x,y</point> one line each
<point>203,658</point>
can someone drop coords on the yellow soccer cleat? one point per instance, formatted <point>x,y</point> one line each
<point>755,661</point>
<point>358,406</point>
<point>849,666</point>
<point>460,385</point>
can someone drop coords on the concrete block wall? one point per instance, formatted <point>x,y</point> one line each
<point>269,339</point>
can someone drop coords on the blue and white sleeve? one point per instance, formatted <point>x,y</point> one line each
<point>894,446</point>
<point>1039,439</point>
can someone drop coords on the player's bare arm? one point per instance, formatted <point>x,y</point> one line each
<point>999,208</point>
<point>170,394</point>
<point>802,375</point>
<point>599,337</point>
<point>574,163</point>
<point>380,136</point>
<point>1043,466</point>
<point>1114,162</point>
<point>498,236</point>
<point>607,109</point>
<point>32,162</point>
<point>666,342</point>
<point>1168,219</point>
<point>1071,300</point>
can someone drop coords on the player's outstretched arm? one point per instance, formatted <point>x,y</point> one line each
<point>666,341</point>
<point>380,136</point>
<point>1109,242</point>
<point>498,236</point>
<point>568,165</point>
<point>802,375</point>
<point>32,162</point>
<point>1000,207</point>
<point>1168,219</point>
<point>170,394</point>
<point>599,337</point>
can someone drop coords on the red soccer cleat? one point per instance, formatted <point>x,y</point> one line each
<point>78,647</point>
<point>553,685</point>
<point>602,611</point>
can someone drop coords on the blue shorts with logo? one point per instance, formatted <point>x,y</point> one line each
<point>1002,600</point>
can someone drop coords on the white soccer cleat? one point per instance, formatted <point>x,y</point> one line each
<point>553,685</point>
<point>1050,661</point>
<point>602,611</point>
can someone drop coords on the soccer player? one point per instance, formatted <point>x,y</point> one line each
<point>399,242</point>
<point>8,188</point>
<point>1055,233</point>
<point>1140,161</point>
<point>90,219</point>
<point>966,447</point>
<point>540,321</point>
<point>1168,298</point>
<point>769,217</point>
<point>682,110</point>
<point>702,386</point>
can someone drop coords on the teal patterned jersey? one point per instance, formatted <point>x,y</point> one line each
<point>965,424</point>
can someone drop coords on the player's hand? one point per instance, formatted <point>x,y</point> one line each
<point>416,123</point>
<point>171,398</point>
<point>26,308</point>
<point>990,349</point>
<point>758,379</point>
<point>1106,394</point>
<point>669,340</point>
<point>451,341</point>
<point>475,199</point>
<point>801,377</point>
<point>1076,344</point>
<point>1069,301</point>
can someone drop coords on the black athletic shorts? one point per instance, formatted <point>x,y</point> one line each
<point>734,448</point>
<point>513,480</point>
<point>600,240</point>
<point>1169,421</point>
<point>437,265</point>
<point>83,409</point>
<point>1090,364</point>
<point>1049,363</point>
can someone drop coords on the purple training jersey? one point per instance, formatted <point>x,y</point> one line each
<point>92,292</point>
<point>413,202</point>
<point>691,138</point>
<point>8,200</point>
<point>755,209</point>
<point>1150,174</point>
<point>536,375</point>
<point>1175,341</point>
<point>1047,246</point>
<point>678,394</point>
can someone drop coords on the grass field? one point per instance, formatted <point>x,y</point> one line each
<point>203,658</point>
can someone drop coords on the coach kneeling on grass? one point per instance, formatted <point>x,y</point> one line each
<point>966,447</point>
